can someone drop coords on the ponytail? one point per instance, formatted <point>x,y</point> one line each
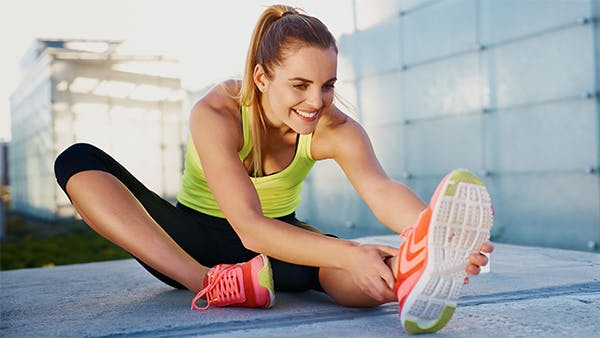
<point>279,29</point>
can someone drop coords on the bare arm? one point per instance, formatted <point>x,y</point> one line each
<point>212,126</point>
<point>394,204</point>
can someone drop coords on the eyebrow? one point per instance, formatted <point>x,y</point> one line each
<point>310,81</point>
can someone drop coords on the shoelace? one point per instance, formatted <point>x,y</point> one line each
<point>223,286</point>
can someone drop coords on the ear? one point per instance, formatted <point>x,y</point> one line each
<point>260,78</point>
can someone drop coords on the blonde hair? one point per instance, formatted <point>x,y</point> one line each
<point>280,29</point>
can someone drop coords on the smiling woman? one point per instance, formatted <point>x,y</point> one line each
<point>304,97</point>
<point>253,141</point>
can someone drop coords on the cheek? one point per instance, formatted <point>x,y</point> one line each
<point>288,98</point>
<point>277,98</point>
<point>328,98</point>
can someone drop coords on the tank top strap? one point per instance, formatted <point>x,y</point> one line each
<point>304,144</point>
<point>243,153</point>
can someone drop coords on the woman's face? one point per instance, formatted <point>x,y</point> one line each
<point>300,89</point>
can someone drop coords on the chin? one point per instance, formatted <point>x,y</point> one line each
<point>304,130</point>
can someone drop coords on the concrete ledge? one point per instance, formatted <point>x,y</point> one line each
<point>530,292</point>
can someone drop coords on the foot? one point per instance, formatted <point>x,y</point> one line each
<point>434,253</point>
<point>247,284</point>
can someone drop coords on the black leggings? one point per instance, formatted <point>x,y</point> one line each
<point>210,240</point>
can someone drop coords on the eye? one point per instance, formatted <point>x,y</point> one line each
<point>301,86</point>
<point>329,87</point>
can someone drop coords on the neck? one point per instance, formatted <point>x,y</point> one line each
<point>274,126</point>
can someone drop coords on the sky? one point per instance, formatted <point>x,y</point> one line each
<point>209,37</point>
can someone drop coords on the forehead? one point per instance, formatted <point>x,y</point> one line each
<point>312,63</point>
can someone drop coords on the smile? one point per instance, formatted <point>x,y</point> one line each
<point>306,115</point>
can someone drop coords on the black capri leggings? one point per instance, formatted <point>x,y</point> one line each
<point>210,240</point>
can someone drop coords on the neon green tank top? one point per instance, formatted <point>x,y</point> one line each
<point>279,193</point>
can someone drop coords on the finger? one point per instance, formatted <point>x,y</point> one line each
<point>478,259</point>
<point>487,247</point>
<point>385,294</point>
<point>473,269</point>
<point>388,250</point>
<point>389,296</point>
<point>374,289</point>
<point>387,276</point>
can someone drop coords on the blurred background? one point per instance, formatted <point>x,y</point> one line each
<point>505,88</point>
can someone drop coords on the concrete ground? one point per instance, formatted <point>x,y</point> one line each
<point>530,292</point>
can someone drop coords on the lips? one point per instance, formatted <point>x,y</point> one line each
<point>305,114</point>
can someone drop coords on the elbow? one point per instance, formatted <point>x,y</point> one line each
<point>382,218</point>
<point>247,233</point>
<point>377,207</point>
<point>247,239</point>
<point>251,244</point>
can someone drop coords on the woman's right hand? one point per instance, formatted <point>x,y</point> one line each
<point>370,273</point>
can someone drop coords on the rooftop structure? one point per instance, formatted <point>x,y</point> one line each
<point>72,90</point>
<point>530,292</point>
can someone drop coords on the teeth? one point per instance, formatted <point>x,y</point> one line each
<point>305,114</point>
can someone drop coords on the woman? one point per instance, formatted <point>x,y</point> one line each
<point>252,143</point>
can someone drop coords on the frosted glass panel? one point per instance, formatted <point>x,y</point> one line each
<point>388,144</point>
<point>378,49</point>
<point>543,68</point>
<point>409,5</point>
<point>347,62</point>
<point>448,87</point>
<point>335,202</point>
<point>543,138</point>
<point>327,170</point>
<point>424,185</point>
<point>438,146</point>
<point>558,210</point>
<point>441,29</point>
<point>507,19</point>
<point>372,12</point>
<point>381,99</point>
<point>346,99</point>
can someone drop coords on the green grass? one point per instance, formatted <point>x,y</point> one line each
<point>31,244</point>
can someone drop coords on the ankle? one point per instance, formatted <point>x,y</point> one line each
<point>196,284</point>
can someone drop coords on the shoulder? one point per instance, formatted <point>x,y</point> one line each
<point>336,132</point>
<point>221,98</point>
<point>218,109</point>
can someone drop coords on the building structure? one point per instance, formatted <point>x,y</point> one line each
<point>72,90</point>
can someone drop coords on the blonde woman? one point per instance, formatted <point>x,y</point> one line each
<point>252,144</point>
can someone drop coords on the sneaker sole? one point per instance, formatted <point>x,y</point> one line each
<point>461,222</point>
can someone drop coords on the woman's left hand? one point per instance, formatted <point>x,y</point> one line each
<point>477,260</point>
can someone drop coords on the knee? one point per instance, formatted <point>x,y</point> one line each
<point>70,155</point>
<point>68,161</point>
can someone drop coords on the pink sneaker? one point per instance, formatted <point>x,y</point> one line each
<point>247,284</point>
<point>434,253</point>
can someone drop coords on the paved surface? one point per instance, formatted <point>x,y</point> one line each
<point>530,292</point>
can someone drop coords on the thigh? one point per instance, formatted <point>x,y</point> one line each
<point>209,240</point>
<point>82,157</point>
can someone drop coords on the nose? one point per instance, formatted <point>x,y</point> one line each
<point>315,98</point>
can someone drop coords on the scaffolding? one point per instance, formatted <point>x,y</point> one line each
<point>131,106</point>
